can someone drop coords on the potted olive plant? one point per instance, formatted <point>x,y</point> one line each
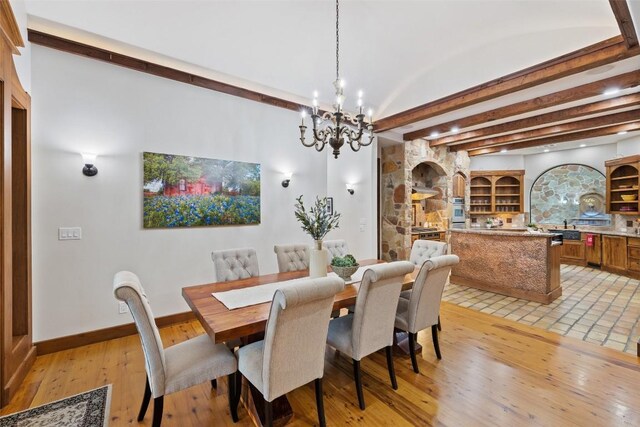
<point>317,222</point>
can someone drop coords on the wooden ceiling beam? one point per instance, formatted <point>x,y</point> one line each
<point>595,55</point>
<point>622,81</point>
<point>579,125</point>
<point>542,119</point>
<point>88,51</point>
<point>575,136</point>
<point>625,22</point>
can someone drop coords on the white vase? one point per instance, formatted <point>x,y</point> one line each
<point>318,260</point>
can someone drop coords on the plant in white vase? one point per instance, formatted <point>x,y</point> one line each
<point>317,222</point>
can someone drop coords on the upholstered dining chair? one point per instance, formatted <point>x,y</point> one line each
<point>234,264</point>
<point>421,251</point>
<point>292,352</point>
<point>370,327</point>
<point>335,248</point>
<point>178,367</point>
<point>292,257</point>
<point>422,309</point>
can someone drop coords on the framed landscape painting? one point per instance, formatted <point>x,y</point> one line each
<point>183,191</point>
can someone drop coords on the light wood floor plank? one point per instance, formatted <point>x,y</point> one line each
<point>493,372</point>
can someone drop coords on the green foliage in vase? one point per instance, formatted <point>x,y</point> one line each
<point>345,261</point>
<point>317,221</point>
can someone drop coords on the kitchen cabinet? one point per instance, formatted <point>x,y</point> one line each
<point>623,185</point>
<point>497,192</point>
<point>633,254</point>
<point>459,184</point>
<point>614,254</point>
<point>573,252</point>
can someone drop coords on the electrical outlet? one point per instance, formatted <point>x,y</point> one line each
<point>123,308</point>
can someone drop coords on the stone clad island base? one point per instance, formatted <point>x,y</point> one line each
<point>513,263</point>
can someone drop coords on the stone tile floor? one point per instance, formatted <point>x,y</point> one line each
<point>595,306</point>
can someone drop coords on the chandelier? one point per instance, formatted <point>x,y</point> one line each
<point>337,128</point>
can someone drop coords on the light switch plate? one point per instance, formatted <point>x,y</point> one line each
<point>69,233</point>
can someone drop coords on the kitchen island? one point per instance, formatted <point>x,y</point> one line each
<point>513,263</point>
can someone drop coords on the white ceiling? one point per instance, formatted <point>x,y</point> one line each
<point>401,53</point>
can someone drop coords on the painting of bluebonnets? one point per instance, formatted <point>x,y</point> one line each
<point>181,191</point>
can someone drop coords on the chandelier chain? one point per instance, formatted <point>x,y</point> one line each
<point>337,41</point>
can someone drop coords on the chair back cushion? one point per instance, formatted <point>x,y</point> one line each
<point>426,294</point>
<point>234,264</point>
<point>376,304</point>
<point>127,288</point>
<point>292,257</point>
<point>296,335</point>
<point>335,248</point>
<point>422,250</point>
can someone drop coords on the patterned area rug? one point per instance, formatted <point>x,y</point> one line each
<point>88,409</point>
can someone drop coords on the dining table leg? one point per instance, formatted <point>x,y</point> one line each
<point>254,402</point>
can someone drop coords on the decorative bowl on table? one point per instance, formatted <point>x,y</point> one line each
<point>345,272</point>
<point>629,197</point>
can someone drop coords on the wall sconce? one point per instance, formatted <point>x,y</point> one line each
<point>286,180</point>
<point>350,189</point>
<point>89,160</point>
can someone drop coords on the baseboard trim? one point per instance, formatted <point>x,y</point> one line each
<point>91,337</point>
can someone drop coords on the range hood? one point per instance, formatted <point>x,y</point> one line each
<point>421,193</point>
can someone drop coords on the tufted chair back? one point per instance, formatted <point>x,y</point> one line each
<point>423,250</point>
<point>373,320</point>
<point>292,257</point>
<point>234,264</point>
<point>335,248</point>
<point>127,288</point>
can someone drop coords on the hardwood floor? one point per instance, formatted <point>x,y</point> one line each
<point>493,372</point>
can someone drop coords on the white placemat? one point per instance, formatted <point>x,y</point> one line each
<point>245,297</point>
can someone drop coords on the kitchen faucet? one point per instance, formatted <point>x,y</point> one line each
<point>565,224</point>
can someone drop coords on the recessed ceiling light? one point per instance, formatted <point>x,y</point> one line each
<point>611,91</point>
<point>622,132</point>
<point>546,150</point>
<point>434,134</point>
<point>455,129</point>
<point>583,145</point>
<point>504,150</point>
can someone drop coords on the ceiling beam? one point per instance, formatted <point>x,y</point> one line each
<point>596,55</point>
<point>625,22</point>
<point>591,133</point>
<point>595,122</point>
<point>552,117</point>
<point>622,81</point>
<point>137,64</point>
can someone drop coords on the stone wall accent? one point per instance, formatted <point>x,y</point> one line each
<point>556,194</point>
<point>398,162</point>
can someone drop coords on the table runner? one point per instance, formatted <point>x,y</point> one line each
<point>253,295</point>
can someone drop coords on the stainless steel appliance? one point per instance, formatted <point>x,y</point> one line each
<point>458,216</point>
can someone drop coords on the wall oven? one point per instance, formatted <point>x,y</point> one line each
<point>458,210</point>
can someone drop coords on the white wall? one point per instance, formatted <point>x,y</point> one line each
<point>85,105</point>
<point>629,146</point>
<point>497,162</point>
<point>22,61</point>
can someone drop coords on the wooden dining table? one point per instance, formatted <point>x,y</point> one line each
<point>248,324</point>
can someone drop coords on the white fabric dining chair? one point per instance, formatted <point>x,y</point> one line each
<point>292,257</point>
<point>235,264</point>
<point>370,327</point>
<point>423,250</point>
<point>292,352</point>
<point>178,367</point>
<point>335,248</point>
<point>422,309</point>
